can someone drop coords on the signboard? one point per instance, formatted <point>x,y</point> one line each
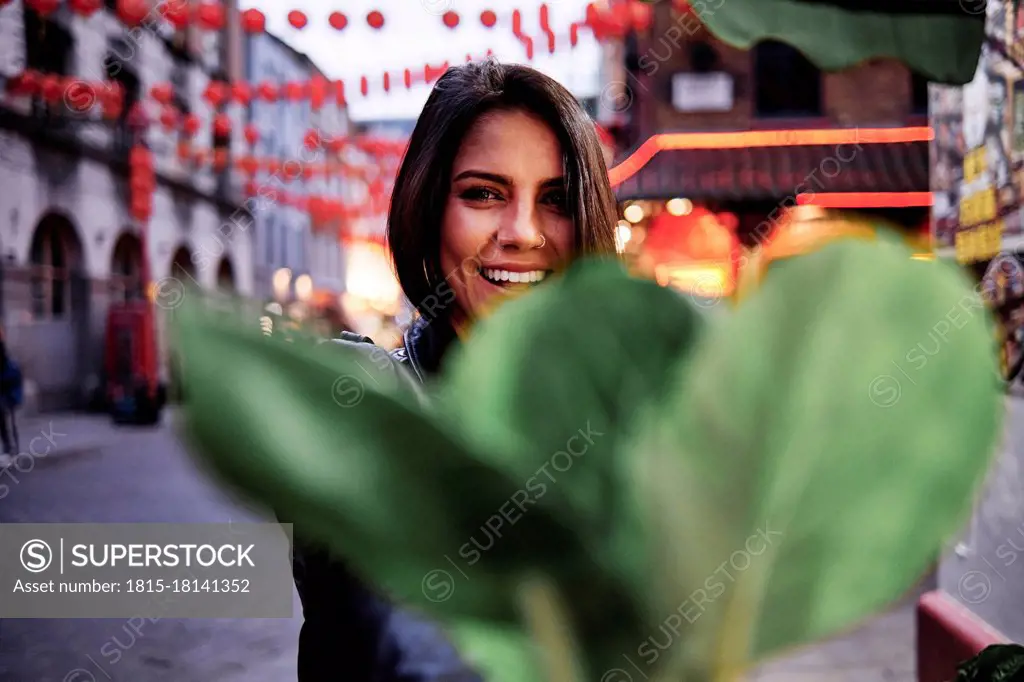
<point>977,205</point>
<point>702,91</point>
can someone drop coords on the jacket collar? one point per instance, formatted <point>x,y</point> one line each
<point>426,342</point>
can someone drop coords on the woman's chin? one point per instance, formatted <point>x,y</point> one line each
<point>488,296</point>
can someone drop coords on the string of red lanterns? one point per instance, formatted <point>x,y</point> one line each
<point>211,15</point>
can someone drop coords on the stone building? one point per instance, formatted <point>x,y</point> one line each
<point>69,245</point>
<point>286,235</point>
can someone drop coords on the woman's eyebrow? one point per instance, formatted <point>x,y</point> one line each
<point>484,175</point>
<point>553,182</point>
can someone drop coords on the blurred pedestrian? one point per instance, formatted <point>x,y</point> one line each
<point>503,183</point>
<point>10,399</point>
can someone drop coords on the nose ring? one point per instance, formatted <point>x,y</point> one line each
<point>543,241</point>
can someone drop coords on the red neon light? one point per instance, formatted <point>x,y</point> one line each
<point>866,199</point>
<point>762,138</point>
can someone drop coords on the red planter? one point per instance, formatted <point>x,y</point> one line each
<point>948,634</point>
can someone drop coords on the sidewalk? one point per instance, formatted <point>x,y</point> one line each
<point>60,434</point>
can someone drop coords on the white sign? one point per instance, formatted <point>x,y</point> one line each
<point>702,91</point>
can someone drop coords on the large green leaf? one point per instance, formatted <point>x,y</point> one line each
<point>944,46</point>
<point>547,389</point>
<point>332,439</point>
<point>549,386</point>
<point>822,445</point>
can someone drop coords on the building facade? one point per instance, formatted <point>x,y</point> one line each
<point>69,243</point>
<point>287,239</point>
<point>716,143</point>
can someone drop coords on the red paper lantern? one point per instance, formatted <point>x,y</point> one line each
<point>252,134</point>
<point>375,19</point>
<point>190,126</point>
<point>249,165</point>
<point>407,77</point>
<point>211,16</point>
<point>169,118</point>
<point>85,8</point>
<point>267,91</point>
<point>297,19</point>
<point>80,96</point>
<point>43,8</point>
<point>111,98</point>
<point>339,93</point>
<point>254,21</point>
<point>338,21</point>
<point>176,13</point>
<point>51,88</point>
<point>137,117</point>
<point>451,19</point>
<point>312,140</point>
<point>252,189</point>
<point>241,92</point>
<point>488,18</point>
<point>317,92</point>
<point>215,93</point>
<point>222,125</point>
<point>162,93</point>
<point>24,84</point>
<point>295,91</point>
<point>364,86</point>
<point>642,15</point>
<point>132,12</point>
<point>387,82</point>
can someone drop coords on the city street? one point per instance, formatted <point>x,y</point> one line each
<point>99,473</point>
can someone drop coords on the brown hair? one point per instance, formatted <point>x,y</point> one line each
<point>461,96</point>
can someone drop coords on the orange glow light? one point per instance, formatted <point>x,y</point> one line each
<point>866,199</point>
<point>762,138</point>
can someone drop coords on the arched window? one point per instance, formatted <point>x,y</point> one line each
<point>53,257</point>
<point>225,276</point>
<point>182,267</point>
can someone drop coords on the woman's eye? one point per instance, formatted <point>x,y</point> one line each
<point>480,194</point>
<point>558,199</point>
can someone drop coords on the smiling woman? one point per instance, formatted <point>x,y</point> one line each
<point>504,183</point>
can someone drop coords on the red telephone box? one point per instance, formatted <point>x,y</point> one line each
<point>132,366</point>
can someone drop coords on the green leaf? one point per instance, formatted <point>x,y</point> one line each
<point>944,46</point>
<point>553,381</point>
<point>548,390</point>
<point>824,442</point>
<point>332,438</point>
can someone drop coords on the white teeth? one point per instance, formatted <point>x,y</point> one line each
<point>495,275</point>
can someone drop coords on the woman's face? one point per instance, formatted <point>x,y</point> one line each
<point>505,226</point>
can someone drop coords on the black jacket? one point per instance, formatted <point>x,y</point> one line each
<point>351,633</point>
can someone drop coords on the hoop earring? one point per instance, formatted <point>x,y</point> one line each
<point>543,241</point>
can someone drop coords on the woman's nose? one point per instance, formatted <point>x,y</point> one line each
<point>520,229</point>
